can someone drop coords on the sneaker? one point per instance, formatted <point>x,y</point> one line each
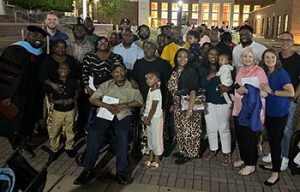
<point>71,153</point>
<point>84,177</point>
<point>284,164</point>
<point>267,158</point>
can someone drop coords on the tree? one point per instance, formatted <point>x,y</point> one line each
<point>109,10</point>
<point>56,5</point>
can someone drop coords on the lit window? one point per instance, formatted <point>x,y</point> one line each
<point>174,22</point>
<point>236,17</point>
<point>164,6</point>
<point>185,7</point>
<point>214,16</point>
<point>175,7</point>
<point>195,15</point>
<point>256,7</point>
<point>216,7</point>
<point>246,9</point>
<point>205,7</point>
<point>163,21</point>
<point>164,15</point>
<point>174,15</point>
<point>286,22</point>
<point>279,25</point>
<point>154,14</point>
<point>205,16</point>
<point>245,17</point>
<point>154,6</point>
<point>195,7</point>
<point>236,8</point>
<point>235,23</point>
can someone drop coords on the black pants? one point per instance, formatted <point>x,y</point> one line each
<point>247,140</point>
<point>275,128</point>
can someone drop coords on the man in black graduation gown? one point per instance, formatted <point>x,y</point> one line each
<point>19,87</point>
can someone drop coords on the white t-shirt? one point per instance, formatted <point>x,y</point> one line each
<point>154,96</point>
<point>236,53</point>
<point>225,74</point>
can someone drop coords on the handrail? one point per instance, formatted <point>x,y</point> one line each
<point>28,16</point>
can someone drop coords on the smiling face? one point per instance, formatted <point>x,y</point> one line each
<point>245,36</point>
<point>213,56</point>
<point>248,59</point>
<point>51,21</point>
<point>79,32</point>
<point>59,49</point>
<point>144,32</point>
<point>63,70</point>
<point>286,41</point>
<point>119,75</point>
<point>35,39</point>
<point>149,50</point>
<point>182,58</point>
<point>270,59</point>
<point>103,44</point>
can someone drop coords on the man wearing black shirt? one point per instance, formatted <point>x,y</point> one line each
<point>215,38</point>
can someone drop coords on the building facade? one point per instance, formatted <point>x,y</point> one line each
<point>211,12</point>
<point>281,16</point>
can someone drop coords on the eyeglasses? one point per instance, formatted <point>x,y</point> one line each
<point>285,40</point>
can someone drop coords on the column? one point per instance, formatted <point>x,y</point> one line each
<point>2,7</point>
<point>144,11</point>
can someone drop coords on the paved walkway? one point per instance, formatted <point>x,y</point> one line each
<point>197,175</point>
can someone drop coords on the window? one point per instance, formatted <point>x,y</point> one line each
<point>154,8</point>
<point>185,7</point>
<point>236,9</point>
<point>245,17</point>
<point>286,22</point>
<point>205,12</point>
<point>246,9</point>
<point>279,25</point>
<point>236,15</point>
<point>164,10</point>
<point>256,7</point>
<point>174,15</point>
<point>175,7</point>
<point>215,13</point>
<point>226,13</point>
<point>195,11</point>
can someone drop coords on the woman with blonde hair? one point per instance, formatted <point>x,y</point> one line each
<point>249,109</point>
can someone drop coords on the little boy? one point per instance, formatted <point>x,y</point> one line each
<point>225,74</point>
<point>63,115</point>
<point>193,38</point>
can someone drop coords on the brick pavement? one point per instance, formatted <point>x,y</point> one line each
<point>197,174</point>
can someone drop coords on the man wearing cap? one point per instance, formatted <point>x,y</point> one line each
<point>90,28</point>
<point>19,88</point>
<point>126,98</point>
<point>125,24</point>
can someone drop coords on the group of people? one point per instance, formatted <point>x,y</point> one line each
<point>107,77</point>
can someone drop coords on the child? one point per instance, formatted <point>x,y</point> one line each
<point>153,119</point>
<point>225,74</point>
<point>193,38</point>
<point>63,115</point>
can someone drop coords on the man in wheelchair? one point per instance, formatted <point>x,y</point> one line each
<point>115,99</point>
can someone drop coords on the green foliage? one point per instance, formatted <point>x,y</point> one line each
<point>111,9</point>
<point>45,5</point>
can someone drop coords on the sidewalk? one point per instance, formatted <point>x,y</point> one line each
<point>197,175</point>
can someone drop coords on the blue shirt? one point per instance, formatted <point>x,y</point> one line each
<point>129,55</point>
<point>57,36</point>
<point>278,106</point>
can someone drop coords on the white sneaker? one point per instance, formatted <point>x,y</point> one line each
<point>267,158</point>
<point>284,164</point>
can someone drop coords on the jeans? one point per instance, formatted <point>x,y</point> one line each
<point>97,135</point>
<point>288,131</point>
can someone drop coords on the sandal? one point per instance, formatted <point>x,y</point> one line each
<point>238,163</point>
<point>147,164</point>
<point>247,170</point>
<point>227,159</point>
<point>210,155</point>
<point>154,165</point>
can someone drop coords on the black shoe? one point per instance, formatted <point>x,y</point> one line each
<point>124,178</point>
<point>182,160</point>
<point>267,183</point>
<point>84,177</point>
<point>177,155</point>
<point>265,168</point>
<point>71,153</point>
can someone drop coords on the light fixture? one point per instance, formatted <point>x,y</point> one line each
<point>180,3</point>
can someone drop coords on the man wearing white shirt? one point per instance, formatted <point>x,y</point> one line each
<point>246,40</point>
<point>129,51</point>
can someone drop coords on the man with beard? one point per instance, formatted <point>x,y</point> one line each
<point>143,33</point>
<point>90,28</point>
<point>166,30</point>
<point>19,88</point>
<point>215,40</point>
<point>78,47</point>
<point>51,22</point>
<point>246,39</point>
<point>170,50</point>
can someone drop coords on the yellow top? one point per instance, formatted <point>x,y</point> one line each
<point>170,50</point>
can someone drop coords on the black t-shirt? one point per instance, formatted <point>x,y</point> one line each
<point>142,67</point>
<point>292,66</point>
<point>48,69</point>
<point>69,86</point>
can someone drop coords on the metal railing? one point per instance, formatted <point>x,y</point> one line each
<point>22,15</point>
